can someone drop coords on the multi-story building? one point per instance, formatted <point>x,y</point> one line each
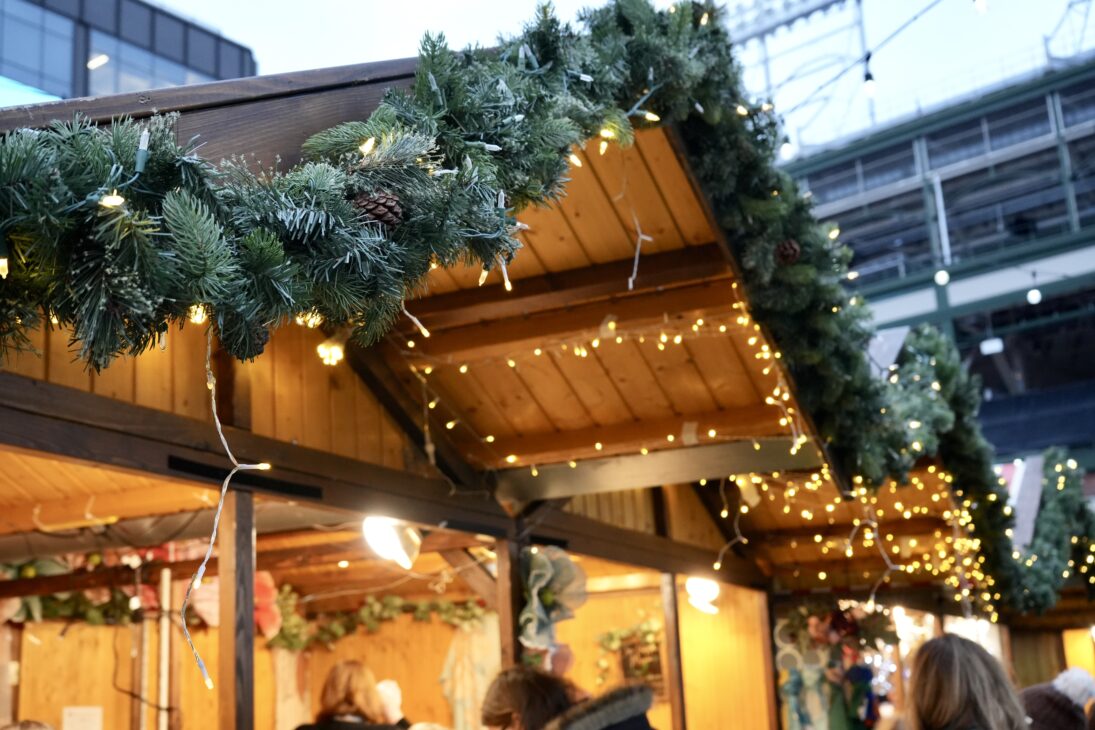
<point>980,218</point>
<point>67,48</point>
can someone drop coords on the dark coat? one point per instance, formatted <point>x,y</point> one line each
<point>1051,709</point>
<point>621,709</point>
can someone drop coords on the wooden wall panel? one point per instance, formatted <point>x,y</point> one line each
<point>632,509</point>
<point>31,362</point>
<point>605,612</point>
<point>689,521</point>
<point>154,387</point>
<point>727,660</point>
<point>1079,649</point>
<point>61,366</point>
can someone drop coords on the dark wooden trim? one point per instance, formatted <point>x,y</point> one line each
<point>370,366</point>
<point>564,289</point>
<point>674,679</point>
<point>591,537</point>
<point>215,94</point>
<point>666,466</point>
<point>475,575</point>
<point>235,678</point>
<point>511,597</point>
<point>661,512</point>
<point>54,419</point>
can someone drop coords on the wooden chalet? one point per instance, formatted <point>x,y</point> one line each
<point>626,409</point>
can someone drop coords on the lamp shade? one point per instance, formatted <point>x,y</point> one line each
<point>702,593</point>
<point>392,539</point>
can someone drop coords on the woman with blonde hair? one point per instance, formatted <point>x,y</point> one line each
<point>350,701</point>
<point>957,685</point>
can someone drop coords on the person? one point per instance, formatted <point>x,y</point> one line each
<point>351,701</point>
<point>957,685</point>
<point>523,698</point>
<point>1059,705</point>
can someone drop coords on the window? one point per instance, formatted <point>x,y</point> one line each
<point>834,183</point>
<point>36,47</point>
<point>130,68</point>
<point>1018,124</point>
<point>1078,103</point>
<point>956,143</point>
<point>169,37</point>
<point>136,23</point>
<point>201,50</point>
<point>888,166</point>
<point>889,239</point>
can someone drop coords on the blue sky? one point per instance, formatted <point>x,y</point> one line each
<point>952,50</point>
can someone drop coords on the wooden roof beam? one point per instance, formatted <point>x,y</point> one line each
<point>543,448</point>
<point>669,466</point>
<point>564,289</point>
<point>806,534</point>
<point>504,337</point>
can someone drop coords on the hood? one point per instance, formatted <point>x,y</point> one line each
<point>623,709</point>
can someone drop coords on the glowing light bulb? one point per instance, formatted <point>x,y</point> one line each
<point>512,459</point>
<point>942,277</point>
<point>1034,296</point>
<point>368,145</point>
<point>113,200</point>
<point>197,314</point>
<point>575,160</point>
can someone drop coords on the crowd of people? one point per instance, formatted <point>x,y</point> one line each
<point>954,685</point>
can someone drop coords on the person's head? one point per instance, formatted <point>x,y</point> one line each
<point>522,698</point>
<point>1076,684</point>
<point>956,685</point>
<point>350,689</point>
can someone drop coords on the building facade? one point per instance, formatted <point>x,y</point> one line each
<point>70,48</point>
<point>980,218</point>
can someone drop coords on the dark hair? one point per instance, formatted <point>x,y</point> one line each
<point>536,696</point>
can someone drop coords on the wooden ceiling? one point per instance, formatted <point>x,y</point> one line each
<point>573,363</point>
<point>800,530</point>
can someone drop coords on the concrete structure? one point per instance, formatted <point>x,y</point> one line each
<point>980,218</point>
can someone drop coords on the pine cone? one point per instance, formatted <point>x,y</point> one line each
<point>788,252</point>
<point>381,207</point>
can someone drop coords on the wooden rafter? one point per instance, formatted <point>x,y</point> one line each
<point>674,465</point>
<point>793,537</point>
<point>505,337</point>
<point>566,288</point>
<point>737,423</point>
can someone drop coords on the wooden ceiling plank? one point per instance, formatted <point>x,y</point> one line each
<point>678,377</point>
<point>672,182</point>
<point>511,397</point>
<point>633,379</point>
<point>550,235</point>
<point>628,183</point>
<point>590,382</point>
<point>466,398</point>
<point>593,218</point>
<point>722,369</point>
<point>553,393</point>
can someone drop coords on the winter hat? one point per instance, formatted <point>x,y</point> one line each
<point>1076,684</point>
<point>1050,709</point>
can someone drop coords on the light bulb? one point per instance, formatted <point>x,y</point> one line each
<point>786,151</point>
<point>575,160</point>
<point>3,267</point>
<point>113,200</point>
<point>197,314</point>
<point>368,145</point>
<point>1034,296</point>
<point>870,88</point>
<point>651,117</point>
<point>942,277</point>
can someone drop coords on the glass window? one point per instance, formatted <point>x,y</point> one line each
<point>1018,124</point>
<point>834,183</point>
<point>136,23</point>
<point>956,143</point>
<point>169,37</point>
<point>1078,103</point>
<point>888,166</point>
<point>889,239</point>
<point>36,47</point>
<point>130,68</point>
<point>102,14</point>
<point>1005,206</point>
<point>201,50</point>
<point>231,61</point>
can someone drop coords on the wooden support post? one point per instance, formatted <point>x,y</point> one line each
<point>511,598</point>
<point>674,679</point>
<point>236,574</point>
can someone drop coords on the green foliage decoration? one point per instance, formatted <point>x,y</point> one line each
<point>299,633</point>
<point>480,135</point>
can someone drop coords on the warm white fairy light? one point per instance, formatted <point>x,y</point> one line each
<point>197,313</point>
<point>112,200</point>
<point>368,145</point>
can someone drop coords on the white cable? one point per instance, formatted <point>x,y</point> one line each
<point>211,383</point>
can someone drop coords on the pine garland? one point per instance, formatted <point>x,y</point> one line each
<point>479,136</point>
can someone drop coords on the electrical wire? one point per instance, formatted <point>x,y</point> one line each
<point>865,57</point>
